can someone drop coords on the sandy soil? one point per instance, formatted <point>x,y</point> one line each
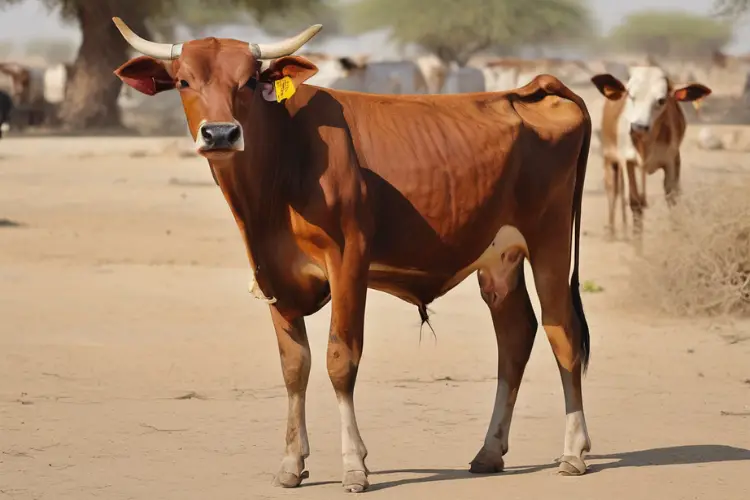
<point>135,365</point>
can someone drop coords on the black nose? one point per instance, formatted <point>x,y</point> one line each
<point>220,135</point>
<point>638,128</point>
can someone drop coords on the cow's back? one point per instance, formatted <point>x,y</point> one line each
<point>457,158</point>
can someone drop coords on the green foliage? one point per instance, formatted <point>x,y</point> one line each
<point>731,8</point>
<point>455,30</point>
<point>288,21</point>
<point>671,33</point>
<point>278,18</point>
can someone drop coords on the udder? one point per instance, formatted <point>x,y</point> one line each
<point>499,276</point>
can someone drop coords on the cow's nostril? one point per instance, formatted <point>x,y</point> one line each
<point>234,134</point>
<point>207,134</point>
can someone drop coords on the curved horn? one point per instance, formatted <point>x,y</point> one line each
<point>165,51</point>
<point>284,47</point>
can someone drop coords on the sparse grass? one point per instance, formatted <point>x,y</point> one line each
<point>696,257</point>
<point>590,286</point>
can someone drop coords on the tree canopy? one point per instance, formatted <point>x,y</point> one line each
<point>671,33</point>
<point>454,31</point>
<point>731,7</point>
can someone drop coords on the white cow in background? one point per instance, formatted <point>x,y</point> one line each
<point>360,75</point>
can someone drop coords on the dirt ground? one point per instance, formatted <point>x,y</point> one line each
<point>135,365</point>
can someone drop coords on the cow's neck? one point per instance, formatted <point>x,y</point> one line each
<point>257,185</point>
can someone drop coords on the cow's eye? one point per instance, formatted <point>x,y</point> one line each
<point>661,102</point>
<point>183,84</point>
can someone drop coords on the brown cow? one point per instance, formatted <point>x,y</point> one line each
<point>21,81</point>
<point>642,127</point>
<point>336,192</point>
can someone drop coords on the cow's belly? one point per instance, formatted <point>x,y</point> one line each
<point>421,286</point>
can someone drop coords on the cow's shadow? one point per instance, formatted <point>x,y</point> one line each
<point>676,455</point>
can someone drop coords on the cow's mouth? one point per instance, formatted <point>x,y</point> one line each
<point>217,153</point>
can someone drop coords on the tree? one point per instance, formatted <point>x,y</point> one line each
<point>671,33</point>
<point>199,20</point>
<point>454,31</point>
<point>731,8</point>
<point>91,99</point>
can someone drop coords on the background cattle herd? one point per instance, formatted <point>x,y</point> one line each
<point>36,91</point>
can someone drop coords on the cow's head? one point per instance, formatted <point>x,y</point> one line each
<point>647,93</point>
<point>219,81</point>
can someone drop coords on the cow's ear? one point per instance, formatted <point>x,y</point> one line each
<point>146,75</point>
<point>297,68</point>
<point>609,86</point>
<point>692,92</point>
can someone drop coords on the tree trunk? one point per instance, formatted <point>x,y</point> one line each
<point>92,90</point>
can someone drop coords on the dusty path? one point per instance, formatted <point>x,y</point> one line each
<point>135,365</point>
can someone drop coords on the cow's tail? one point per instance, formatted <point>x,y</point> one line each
<point>554,86</point>
<point>575,286</point>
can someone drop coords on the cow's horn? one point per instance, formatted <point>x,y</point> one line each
<point>284,47</point>
<point>165,51</point>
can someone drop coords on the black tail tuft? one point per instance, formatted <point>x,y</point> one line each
<point>425,319</point>
<point>575,289</point>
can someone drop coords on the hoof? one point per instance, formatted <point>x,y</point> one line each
<point>355,481</point>
<point>570,466</point>
<point>487,462</point>
<point>290,479</point>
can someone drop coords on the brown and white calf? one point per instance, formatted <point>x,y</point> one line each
<point>642,128</point>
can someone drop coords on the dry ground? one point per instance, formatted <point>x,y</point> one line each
<point>135,365</point>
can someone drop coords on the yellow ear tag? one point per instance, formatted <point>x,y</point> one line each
<point>284,88</point>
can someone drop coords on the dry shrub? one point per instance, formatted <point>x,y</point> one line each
<point>696,257</point>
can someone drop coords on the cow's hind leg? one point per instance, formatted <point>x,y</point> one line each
<point>295,366</point>
<point>550,260</point>
<point>503,288</point>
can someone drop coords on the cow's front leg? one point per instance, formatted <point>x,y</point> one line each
<point>294,351</point>
<point>672,181</point>
<point>348,279</point>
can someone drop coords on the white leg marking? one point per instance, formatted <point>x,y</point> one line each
<point>577,440</point>
<point>353,450</point>
<point>576,434</point>
<point>496,440</point>
<point>299,448</point>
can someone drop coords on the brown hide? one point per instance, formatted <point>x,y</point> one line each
<point>336,192</point>
<point>426,180</point>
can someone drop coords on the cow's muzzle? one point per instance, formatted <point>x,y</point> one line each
<point>219,137</point>
<point>639,128</point>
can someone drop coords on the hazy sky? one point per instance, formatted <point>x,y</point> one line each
<point>31,20</point>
